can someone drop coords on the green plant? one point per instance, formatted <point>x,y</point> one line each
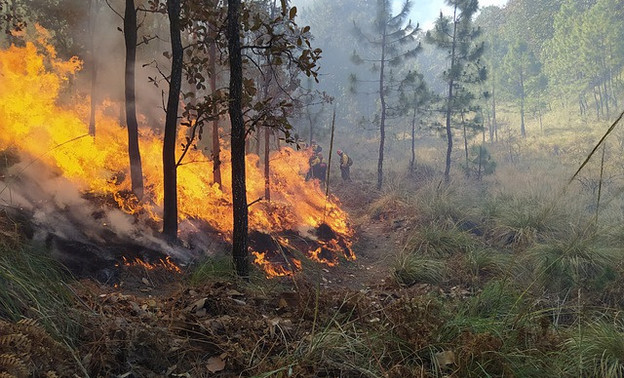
<point>33,286</point>
<point>440,240</point>
<point>578,261</point>
<point>412,269</point>
<point>211,268</point>
<point>596,351</point>
<point>522,221</point>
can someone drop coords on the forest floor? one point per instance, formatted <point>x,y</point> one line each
<point>156,322</point>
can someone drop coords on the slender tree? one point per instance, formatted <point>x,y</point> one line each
<point>394,39</point>
<point>170,205</point>
<point>458,36</point>
<point>130,37</point>
<point>522,73</point>
<point>240,251</point>
<point>415,98</point>
<point>93,8</point>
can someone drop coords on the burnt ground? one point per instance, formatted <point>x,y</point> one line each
<point>154,321</point>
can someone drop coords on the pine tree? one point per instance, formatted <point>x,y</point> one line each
<point>458,36</point>
<point>394,40</point>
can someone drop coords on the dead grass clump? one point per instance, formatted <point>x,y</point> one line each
<point>27,349</point>
<point>455,202</point>
<point>578,261</point>
<point>519,222</point>
<point>440,240</point>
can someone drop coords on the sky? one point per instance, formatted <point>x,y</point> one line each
<point>425,12</point>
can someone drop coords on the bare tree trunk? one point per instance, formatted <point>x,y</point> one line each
<point>170,206</point>
<point>240,251</point>
<point>382,125</point>
<point>130,36</point>
<point>465,142</point>
<point>412,164</point>
<point>267,167</point>
<point>449,104</point>
<point>92,19</point>
<point>522,95</point>
<point>216,147</point>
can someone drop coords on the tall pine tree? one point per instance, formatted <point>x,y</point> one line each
<point>394,39</point>
<point>458,37</point>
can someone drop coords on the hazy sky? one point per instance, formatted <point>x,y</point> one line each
<point>426,11</point>
<point>423,11</point>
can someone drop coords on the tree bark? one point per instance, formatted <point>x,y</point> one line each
<point>449,104</point>
<point>130,36</point>
<point>240,251</point>
<point>382,99</point>
<point>92,18</point>
<point>412,164</point>
<point>522,127</point>
<point>267,166</point>
<point>216,147</point>
<point>170,206</point>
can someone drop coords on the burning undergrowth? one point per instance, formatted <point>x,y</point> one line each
<point>76,187</point>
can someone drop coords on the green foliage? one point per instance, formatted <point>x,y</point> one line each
<point>480,162</point>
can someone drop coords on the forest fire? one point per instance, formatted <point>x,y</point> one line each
<point>53,132</point>
<point>165,264</point>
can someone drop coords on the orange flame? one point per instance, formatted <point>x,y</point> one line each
<point>165,263</point>
<point>31,119</point>
<point>274,269</point>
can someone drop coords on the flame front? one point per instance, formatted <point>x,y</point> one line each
<point>34,120</point>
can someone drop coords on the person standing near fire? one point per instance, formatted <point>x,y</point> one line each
<point>345,165</point>
<point>315,160</point>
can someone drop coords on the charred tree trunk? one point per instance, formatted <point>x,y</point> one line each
<point>170,206</point>
<point>216,147</point>
<point>240,251</point>
<point>130,36</point>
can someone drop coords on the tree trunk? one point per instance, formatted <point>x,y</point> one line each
<point>130,36</point>
<point>493,129</point>
<point>522,127</point>
<point>412,165</point>
<point>465,142</point>
<point>240,251</point>
<point>597,104</point>
<point>382,124</point>
<point>267,167</point>
<point>449,104</point>
<point>216,147</point>
<point>170,206</point>
<point>92,18</point>
<point>606,96</point>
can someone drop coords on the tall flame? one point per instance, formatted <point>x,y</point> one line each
<point>33,119</point>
